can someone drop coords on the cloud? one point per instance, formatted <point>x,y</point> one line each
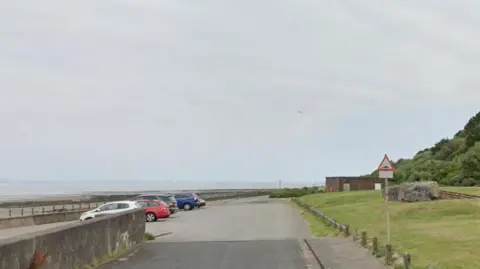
<point>214,83</point>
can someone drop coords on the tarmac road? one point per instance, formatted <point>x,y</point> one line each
<point>233,234</point>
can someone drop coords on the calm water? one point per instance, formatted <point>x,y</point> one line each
<point>21,189</point>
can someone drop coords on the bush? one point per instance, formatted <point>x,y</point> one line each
<point>468,182</point>
<point>294,192</point>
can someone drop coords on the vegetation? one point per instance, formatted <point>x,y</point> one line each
<point>451,162</point>
<point>293,192</point>
<point>148,237</point>
<point>443,232</point>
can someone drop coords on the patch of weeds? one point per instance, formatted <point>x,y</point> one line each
<point>148,237</point>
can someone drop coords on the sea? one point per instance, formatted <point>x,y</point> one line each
<point>30,189</point>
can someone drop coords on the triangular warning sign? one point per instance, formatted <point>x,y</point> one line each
<point>385,165</point>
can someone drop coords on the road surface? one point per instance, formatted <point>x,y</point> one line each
<point>234,234</point>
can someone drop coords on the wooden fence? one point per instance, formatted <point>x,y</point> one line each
<point>457,195</point>
<point>372,244</point>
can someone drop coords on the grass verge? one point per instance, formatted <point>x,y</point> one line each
<point>317,227</point>
<point>444,233</point>
<point>106,258</point>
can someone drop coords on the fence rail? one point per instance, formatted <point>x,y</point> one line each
<point>457,195</point>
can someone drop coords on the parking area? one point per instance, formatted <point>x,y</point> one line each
<point>241,219</point>
<point>242,233</point>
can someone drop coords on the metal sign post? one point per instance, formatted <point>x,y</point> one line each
<point>385,171</point>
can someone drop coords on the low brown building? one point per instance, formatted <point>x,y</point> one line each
<point>353,183</point>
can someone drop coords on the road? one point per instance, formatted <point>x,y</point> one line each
<point>233,234</point>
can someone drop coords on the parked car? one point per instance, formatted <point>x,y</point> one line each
<point>168,199</point>
<point>154,210</point>
<point>186,201</point>
<point>109,208</point>
<point>201,202</point>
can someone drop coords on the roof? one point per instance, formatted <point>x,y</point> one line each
<point>155,194</point>
<point>123,201</point>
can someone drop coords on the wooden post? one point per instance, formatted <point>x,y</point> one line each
<point>374,245</point>
<point>388,254</point>
<point>407,261</point>
<point>346,231</point>
<point>364,239</point>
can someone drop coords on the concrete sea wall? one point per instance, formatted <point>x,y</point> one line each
<point>6,223</point>
<point>77,244</point>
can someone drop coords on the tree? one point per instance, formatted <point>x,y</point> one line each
<point>470,163</point>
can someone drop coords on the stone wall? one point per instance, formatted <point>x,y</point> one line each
<point>6,223</point>
<point>77,244</point>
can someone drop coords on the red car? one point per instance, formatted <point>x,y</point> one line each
<point>154,210</point>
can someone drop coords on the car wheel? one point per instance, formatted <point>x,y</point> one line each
<point>88,218</point>
<point>187,207</point>
<point>150,217</point>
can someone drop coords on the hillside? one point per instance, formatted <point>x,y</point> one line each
<point>454,161</point>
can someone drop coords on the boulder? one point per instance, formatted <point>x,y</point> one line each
<point>414,192</point>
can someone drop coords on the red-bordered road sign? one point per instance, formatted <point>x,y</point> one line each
<point>386,164</point>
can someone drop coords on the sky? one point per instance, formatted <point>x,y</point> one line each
<point>230,91</point>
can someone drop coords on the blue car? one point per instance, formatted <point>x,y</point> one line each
<point>186,201</point>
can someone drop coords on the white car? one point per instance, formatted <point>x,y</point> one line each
<point>110,208</point>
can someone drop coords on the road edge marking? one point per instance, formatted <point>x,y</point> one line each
<point>307,252</point>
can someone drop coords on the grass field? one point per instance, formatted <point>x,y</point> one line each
<point>467,190</point>
<point>445,233</point>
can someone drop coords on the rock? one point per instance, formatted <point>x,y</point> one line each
<point>414,192</point>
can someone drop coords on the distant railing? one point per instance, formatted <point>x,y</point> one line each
<point>40,210</point>
<point>19,211</point>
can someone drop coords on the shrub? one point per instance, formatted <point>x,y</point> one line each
<point>294,192</point>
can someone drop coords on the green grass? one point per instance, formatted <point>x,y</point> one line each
<point>467,190</point>
<point>317,227</point>
<point>445,233</point>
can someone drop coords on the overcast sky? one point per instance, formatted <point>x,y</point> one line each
<point>209,90</point>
